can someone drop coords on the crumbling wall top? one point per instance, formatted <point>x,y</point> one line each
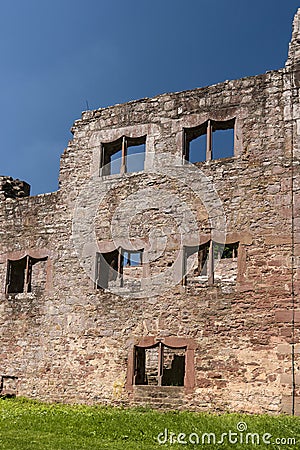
<point>293,61</point>
<point>13,188</point>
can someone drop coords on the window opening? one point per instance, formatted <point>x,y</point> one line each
<point>159,365</point>
<point>226,261</point>
<point>108,268</point>
<point>226,251</point>
<point>199,263</point>
<point>8,386</point>
<point>116,267</point>
<point>132,259</point>
<point>115,163</point>
<point>222,143</point>
<point>140,366</point>
<point>152,363</point>
<point>112,157</point>
<point>123,156</point>
<point>16,275</point>
<point>195,143</point>
<point>214,261</point>
<point>210,140</point>
<point>135,159</point>
<point>173,367</point>
<point>26,275</point>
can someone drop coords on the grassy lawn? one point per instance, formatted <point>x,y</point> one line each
<point>29,425</point>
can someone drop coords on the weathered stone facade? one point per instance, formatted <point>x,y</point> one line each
<point>81,321</point>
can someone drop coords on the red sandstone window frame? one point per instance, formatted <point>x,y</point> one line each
<point>169,368</point>
<point>171,342</point>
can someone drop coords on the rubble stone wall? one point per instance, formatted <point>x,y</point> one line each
<point>74,342</point>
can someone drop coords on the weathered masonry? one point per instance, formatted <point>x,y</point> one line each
<point>165,270</point>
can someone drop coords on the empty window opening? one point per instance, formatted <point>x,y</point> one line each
<point>227,251</point>
<point>108,269</point>
<point>26,275</point>
<point>135,159</point>
<point>8,386</point>
<point>150,369</point>
<point>159,365</point>
<point>118,268</point>
<point>132,259</point>
<point>197,149</point>
<point>112,157</point>
<point>115,161</point>
<point>195,262</point>
<point>123,156</point>
<point>210,262</point>
<point>37,274</point>
<point>195,143</point>
<point>132,271</point>
<point>16,275</point>
<point>222,141</point>
<point>226,262</point>
<point>211,140</point>
<point>173,366</point>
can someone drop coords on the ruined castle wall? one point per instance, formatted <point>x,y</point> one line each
<point>73,342</point>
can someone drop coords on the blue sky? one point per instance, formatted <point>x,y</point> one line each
<point>57,55</point>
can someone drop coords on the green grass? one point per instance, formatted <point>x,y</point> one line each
<point>30,425</point>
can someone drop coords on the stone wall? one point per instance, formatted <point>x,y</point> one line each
<point>10,188</point>
<point>73,341</point>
